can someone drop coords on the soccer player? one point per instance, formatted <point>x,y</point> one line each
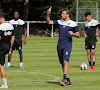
<point>18,26</point>
<point>6,42</point>
<point>67,29</point>
<point>90,38</point>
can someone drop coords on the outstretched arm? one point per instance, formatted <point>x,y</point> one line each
<point>48,16</point>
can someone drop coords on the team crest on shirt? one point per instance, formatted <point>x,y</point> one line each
<point>64,26</point>
<point>68,23</point>
<point>91,23</point>
<point>7,33</point>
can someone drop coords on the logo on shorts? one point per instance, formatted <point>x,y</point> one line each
<point>67,53</point>
<point>92,46</point>
<point>20,49</point>
<point>85,46</point>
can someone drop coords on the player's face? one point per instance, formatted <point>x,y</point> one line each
<point>16,15</point>
<point>64,15</point>
<point>88,17</point>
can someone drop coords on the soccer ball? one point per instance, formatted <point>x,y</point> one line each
<point>83,66</point>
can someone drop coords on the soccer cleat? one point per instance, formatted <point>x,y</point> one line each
<point>90,67</point>
<point>68,84</point>
<point>3,86</point>
<point>62,82</point>
<point>93,67</point>
<point>7,66</point>
<point>21,67</point>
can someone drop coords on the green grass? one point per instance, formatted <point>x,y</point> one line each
<point>43,71</point>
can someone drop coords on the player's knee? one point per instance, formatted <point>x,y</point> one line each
<point>88,53</point>
<point>20,52</point>
<point>93,53</point>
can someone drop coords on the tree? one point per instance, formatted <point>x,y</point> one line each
<point>25,10</point>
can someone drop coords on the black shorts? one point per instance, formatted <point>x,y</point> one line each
<point>89,45</point>
<point>17,44</point>
<point>3,51</point>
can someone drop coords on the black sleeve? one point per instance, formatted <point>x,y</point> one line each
<point>98,26</point>
<point>85,28</point>
<point>24,25</point>
<point>0,33</point>
<point>13,33</point>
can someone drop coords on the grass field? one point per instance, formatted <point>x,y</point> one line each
<point>43,71</point>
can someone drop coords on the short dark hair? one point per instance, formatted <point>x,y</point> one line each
<point>67,12</point>
<point>87,13</point>
<point>1,15</point>
<point>16,12</point>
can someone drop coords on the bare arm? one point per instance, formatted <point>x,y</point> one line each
<point>98,32</point>
<point>25,34</point>
<point>85,34</point>
<point>48,16</point>
<point>11,41</point>
<point>76,34</point>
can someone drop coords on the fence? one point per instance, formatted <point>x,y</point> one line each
<point>28,22</point>
<point>80,25</point>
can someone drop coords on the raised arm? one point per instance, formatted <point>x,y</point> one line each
<point>48,16</point>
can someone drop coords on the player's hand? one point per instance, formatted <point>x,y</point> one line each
<point>70,32</point>
<point>96,34</point>
<point>10,52</point>
<point>49,10</point>
<point>85,36</point>
<point>24,41</point>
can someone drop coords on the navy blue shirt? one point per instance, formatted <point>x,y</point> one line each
<point>65,39</point>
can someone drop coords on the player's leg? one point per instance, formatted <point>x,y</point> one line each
<point>10,56</point>
<point>93,58</point>
<point>66,56</point>
<point>3,73</point>
<point>88,50</point>
<point>19,48</point>
<point>89,58</point>
<point>60,55</point>
<point>21,59</point>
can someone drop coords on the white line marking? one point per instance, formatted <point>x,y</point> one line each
<point>55,78</point>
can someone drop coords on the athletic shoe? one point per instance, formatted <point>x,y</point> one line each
<point>68,84</point>
<point>63,82</point>
<point>3,86</point>
<point>21,67</point>
<point>7,66</point>
<point>93,67</point>
<point>90,67</point>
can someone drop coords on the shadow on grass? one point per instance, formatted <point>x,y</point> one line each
<point>76,66</point>
<point>57,83</point>
<point>14,66</point>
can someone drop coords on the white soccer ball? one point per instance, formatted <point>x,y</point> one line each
<point>83,66</point>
